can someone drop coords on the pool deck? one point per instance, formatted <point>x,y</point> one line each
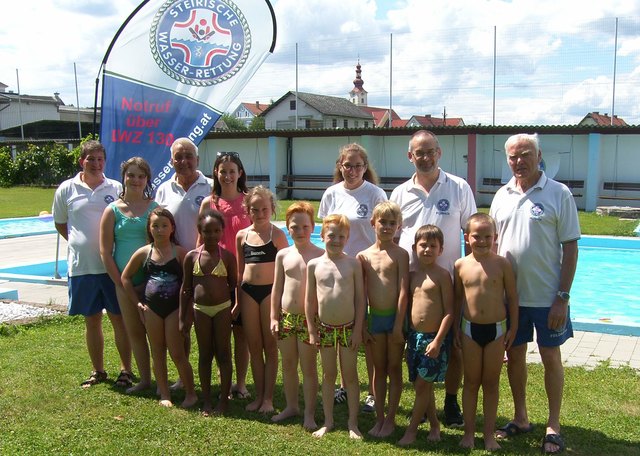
<point>586,349</point>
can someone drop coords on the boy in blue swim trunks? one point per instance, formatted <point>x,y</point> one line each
<point>334,308</point>
<point>385,267</point>
<point>482,281</point>
<point>288,323</point>
<point>430,317</point>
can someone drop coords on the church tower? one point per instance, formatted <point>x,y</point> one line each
<point>358,95</point>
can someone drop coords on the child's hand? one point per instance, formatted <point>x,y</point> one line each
<point>313,340</point>
<point>142,308</point>
<point>457,339</point>
<point>433,350</point>
<point>397,337</point>
<point>275,327</point>
<point>235,311</point>
<point>510,336</point>
<point>356,340</point>
<point>367,337</point>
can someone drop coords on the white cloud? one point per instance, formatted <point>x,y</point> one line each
<point>554,57</point>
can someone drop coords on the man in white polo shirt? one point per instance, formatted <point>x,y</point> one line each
<point>78,205</point>
<point>538,231</point>
<point>435,197</point>
<point>184,192</point>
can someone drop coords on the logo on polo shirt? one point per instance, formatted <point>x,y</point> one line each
<point>537,210</point>
<point>109,199</point>
<point>198,200</point>
<point>362,211</point>
<point>443,206</point>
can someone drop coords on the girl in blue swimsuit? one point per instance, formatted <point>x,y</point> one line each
<point>257,246</point>
<point>161,263</point>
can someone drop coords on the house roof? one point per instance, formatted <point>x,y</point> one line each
<point>11,97</point>
<point>602,119</point>
<point>380,115</point>
<point>255,108</point>
<point>326,105</point>
<point>429,121</point>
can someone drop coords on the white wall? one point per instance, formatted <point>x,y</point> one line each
<point>567,158</point>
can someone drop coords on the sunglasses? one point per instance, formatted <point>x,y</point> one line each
<point>230,154</point>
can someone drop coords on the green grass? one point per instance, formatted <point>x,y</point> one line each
<point>44,411</point>
<point>29,201</point>
<point>25,201</point>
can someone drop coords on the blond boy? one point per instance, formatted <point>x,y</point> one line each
<point>288,323</point>
<point>431,315</point>
<point>482,281</point>
<point>334,308</point>
<point>385,268</point>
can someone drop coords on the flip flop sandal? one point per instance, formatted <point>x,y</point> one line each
<point>511,429</point>
<point>95,378</point>
<point>125,379</point>
<point>556,439</point>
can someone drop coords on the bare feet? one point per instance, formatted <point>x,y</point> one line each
<point>408,438</point>
<point>388,427</point>
<point>139,387</point>
<point>375,430</point>
<point>206,409</point>
<point>434,433</point>
<point>286,413</point>
<point>221,408</point>
<point>310,423</point>
<point>468,441</point>
<point>354,432</point>
<point>189,400</point>
<point>166,403</point>
<point>266,407</point>
<point>490,443</point>
<point>322,431</point>
<point>254,405</point>
<point>241,392</point>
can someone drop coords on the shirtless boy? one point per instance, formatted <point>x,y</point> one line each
<point>288,323</point>
<point>482,281</point>
<point>334,307</point>
<point>431,316</point>
<point>385,268</point>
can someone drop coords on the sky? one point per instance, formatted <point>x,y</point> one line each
<point>554,60</point>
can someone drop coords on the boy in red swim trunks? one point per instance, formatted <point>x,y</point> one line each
<point>334,308</point>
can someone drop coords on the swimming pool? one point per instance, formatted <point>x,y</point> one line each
<point>604,295</point>
<point>26,226</point>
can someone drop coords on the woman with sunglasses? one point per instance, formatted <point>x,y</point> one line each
<point>355,193</point>
<point>227,195</point>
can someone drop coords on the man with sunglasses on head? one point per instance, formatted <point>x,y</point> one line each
<point>432,196</point>
<point>183,193</point>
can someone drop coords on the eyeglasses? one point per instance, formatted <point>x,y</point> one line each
<point>431,153</point>
<point>229,154</point>
<point>349,166</point>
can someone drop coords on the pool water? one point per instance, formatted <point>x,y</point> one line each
<point>604,295</point>
<point>26,226</point>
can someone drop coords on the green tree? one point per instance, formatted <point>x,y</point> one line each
<point>257,123</point>
<point>233,123</point>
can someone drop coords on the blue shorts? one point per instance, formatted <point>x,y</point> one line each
<point>418,364</point>
<point>381,321</point>
<point>537,316</point>
<point>90,293</point>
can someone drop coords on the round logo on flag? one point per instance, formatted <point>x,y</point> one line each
<point>200,45</point>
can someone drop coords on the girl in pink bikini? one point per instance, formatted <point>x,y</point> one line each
<point>227,196</point>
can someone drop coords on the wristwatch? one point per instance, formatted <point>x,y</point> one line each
<point>564,295</point>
